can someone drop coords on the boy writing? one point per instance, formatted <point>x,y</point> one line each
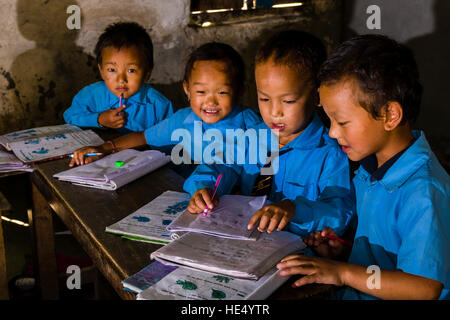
<point>371,93</point>
<point>311,188</point>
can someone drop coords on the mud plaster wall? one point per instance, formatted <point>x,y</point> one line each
<point>43,64</point>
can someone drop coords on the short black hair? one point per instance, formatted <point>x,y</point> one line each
<point>217,51</point>
<point>125,34</point>
<point>294,48</point>
<point>384,70</point>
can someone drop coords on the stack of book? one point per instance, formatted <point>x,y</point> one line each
<point>215,257</point>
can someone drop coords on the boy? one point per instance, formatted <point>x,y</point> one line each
<point>125,61</point>
<point>311,188</point>
<point>371,92</point>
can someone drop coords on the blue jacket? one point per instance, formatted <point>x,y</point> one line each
<point>144,109</point>
<point>404,218</point>
<point>314,174</point>
<point>186,130</point>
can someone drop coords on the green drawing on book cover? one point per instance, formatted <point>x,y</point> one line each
<point>223,279</point>
<point>217,294</point>
<point>177,207</point>
<point>187,285</point>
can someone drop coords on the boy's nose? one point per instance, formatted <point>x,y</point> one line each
<point>333,132</point>
<point>277,110</point>
<point>122,77</point>
<point>211,100</point>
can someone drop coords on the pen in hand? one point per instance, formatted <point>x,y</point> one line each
<point>205,212</point>
<point>344,242</point>
<point>120,104</point>
<point>96,154</point>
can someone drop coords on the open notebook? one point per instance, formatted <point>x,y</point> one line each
<point>235,258</point>
<point>104,174</point>
<point>229,219</point>
<point>187,284</point>
<point>45,143</point>
<point>149,223</point>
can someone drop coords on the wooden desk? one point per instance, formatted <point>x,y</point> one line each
<point>87,211</point>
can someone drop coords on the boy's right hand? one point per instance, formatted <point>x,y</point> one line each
<point>202,199</point>
<point>112,118</point>
<point>79,158</point>
<point>323,246</point>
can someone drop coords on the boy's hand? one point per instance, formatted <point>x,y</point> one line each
<point>325,247</point>
<point>200,200</point>
<point>79,158</point>
<point>276,215</point>
<point>314,269</point>
<point>112,118</point>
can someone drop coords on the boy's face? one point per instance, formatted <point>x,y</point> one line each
<point>124,71</point>
<point>285,99</point>
<point>358,133</point>
<point>209,90</point>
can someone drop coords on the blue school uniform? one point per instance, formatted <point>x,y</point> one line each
<point>313,172</point>
<point>403,217</point>
<point>144,109</point>
<point>190,133</point>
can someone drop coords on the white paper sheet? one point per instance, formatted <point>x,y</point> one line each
<point>188,284</point>
<point>33,133</point>
<point>236,258</point>
<point>229,219</point>
<point>104,174</point>
<point>150,221</point>
<point>38,149</point>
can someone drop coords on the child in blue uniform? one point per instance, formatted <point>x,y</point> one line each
<point>311,187</point>
<point>213,83</point>
<point>371,92</point>
<point>125,61</point>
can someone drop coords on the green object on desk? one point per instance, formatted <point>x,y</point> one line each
<point>119,164</point>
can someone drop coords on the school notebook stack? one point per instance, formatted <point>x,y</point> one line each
<point>187,284</point>
<point>45,143</point>
<point>115,170</point>
<point>230,257</point>
<point>149,223</point>
<point>9,163</point>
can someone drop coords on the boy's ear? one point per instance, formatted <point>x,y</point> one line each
<point>393,115</point>
<point>186,89</point>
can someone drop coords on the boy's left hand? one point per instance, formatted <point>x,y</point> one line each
<point>314,269</point>
<point>276,215</point>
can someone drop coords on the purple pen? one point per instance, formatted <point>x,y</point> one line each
<point>120,103</point>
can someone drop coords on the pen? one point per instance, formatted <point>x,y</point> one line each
<point>96,154</point>
<point>120,103</point>
<point>345,242</point>
<point>205,212</point>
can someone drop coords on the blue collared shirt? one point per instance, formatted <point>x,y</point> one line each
<point>404,218</point>
<point>187,130</point>
<point>144,109</point>
<point>314,174</point>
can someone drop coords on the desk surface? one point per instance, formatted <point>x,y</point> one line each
<point>88,211</point>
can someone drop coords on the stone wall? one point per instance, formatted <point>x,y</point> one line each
<point>43,64</point>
